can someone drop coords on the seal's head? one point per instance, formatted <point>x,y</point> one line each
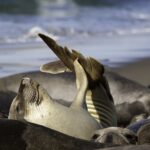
<point>115,135</point>
<point>30,96</point>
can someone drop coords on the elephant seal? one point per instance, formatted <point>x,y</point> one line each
<point>33,104</point>
<point>18,135</point>
<point>99,100</point>
<point>125,92</point>
<point>115,136</point>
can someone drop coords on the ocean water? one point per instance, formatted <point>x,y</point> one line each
<point>113,31</point>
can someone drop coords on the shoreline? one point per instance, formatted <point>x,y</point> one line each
<point>137,70</point>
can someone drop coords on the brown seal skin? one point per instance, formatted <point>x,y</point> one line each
<point>17,135</point>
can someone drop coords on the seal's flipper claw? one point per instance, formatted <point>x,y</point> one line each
<point>54,67</point>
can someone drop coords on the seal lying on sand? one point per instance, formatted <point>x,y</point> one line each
<point>17,135</point>
<point>33,104</point>
<point>124,91</point>
<point>98,98</point>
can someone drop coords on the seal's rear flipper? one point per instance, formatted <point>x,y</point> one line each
<point>63,53</point>
<point>54,67</point>
<point>92,67</point>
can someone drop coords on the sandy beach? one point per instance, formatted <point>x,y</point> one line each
<point>138,70</point>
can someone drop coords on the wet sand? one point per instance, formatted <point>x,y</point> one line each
<point>139,71</point>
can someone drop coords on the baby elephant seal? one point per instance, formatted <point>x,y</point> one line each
<point>99,100</point>
<point>33,104</point>
<point>115,136</point>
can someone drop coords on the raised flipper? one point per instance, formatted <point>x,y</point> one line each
<point>92,67</point>
<point>81,83</point>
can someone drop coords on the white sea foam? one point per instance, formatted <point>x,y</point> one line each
<point>31,35</point>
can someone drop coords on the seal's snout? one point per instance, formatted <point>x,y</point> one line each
<point>26,81</point>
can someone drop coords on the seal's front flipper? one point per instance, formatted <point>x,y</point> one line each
<point>54,67</point>
<point>81,83</point>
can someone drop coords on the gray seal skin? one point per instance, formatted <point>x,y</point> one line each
<point>130,98</point>
<point>99,100</point>
<point>33,104</point>
<point>115,136</point>
<point>18,135</point>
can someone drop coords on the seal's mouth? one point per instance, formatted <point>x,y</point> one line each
<point>29,90</point>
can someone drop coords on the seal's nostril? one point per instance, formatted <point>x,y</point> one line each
<point>26,80</point>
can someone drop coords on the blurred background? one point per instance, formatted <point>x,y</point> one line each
<point>113,31</point>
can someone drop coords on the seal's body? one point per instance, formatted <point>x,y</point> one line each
<point>99,100</point>
<point>33,104</point>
